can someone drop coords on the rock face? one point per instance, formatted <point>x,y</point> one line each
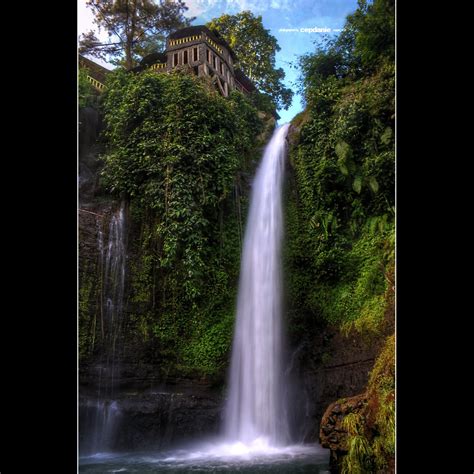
<point>332,434</point>
<point>90,147</point>
<point>360,430</point>
<point>151,418</point>
<point>333,368</point>
<point>329,368</point>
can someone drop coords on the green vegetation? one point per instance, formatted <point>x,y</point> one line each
<point>371,433</point>
<point>179,153</point>
<point>340,210</point>
<point>87,95</point>
<point>255,48</point>
<point>176,151</point>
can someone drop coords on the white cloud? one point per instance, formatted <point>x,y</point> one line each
<point>85,21</point>
<point>205,8</point>
<point>201,7</point>
<point>84,18</point>
<point>280,4</point>
<point>260,6</point>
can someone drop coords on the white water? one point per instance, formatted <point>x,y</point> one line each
<point>255,411</point>
<point>103,414</point>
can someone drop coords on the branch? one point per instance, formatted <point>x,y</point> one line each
<point>101,14</point>
<point>90,212</point>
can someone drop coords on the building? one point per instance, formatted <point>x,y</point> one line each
<point>203,52</point>
<point>96,72</point>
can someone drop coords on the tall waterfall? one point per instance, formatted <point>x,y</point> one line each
<point>256,406</point>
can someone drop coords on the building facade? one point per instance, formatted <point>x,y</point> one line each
<point>198,49</point>
<point>206,54</point>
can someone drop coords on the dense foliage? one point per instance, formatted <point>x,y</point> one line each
<point>371,433</point>
<point>341,212</point>
<point>255,48</point>
<point>87,95</point>
<point>175,151</point>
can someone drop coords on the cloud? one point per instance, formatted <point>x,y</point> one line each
<point>213,8</point>
<point>200,7</point>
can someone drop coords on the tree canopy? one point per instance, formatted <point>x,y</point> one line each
<point>177,149</point>
<point>366,43</point>
<point>134,27</point>
<point>255,48</point>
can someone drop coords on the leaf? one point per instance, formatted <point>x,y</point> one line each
<point>351,166</point>
<point>386,136</point>
<point>357,184</point>
<point>343,169</point>
<point>374,185</point>
<point>343,151</point>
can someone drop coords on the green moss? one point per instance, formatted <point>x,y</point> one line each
<point>180,153</point>
<point>371,433</point>
<point>88,95</point>
<point>358,460</point>
<point>89,310</point>
<point>208,353</point>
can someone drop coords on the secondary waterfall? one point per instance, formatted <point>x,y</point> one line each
<point>113,290</point>
<point>256,408</point>
<point>103,414</point>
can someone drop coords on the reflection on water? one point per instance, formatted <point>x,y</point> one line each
<point>258,457</point>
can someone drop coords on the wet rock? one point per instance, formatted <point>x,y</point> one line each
<point>332,434</point>
<point>155,418</point>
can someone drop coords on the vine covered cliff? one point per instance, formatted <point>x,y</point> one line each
<point>340,256</point>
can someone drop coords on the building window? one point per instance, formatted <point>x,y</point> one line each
<point>208,56</point>
<point>222,68</point>
<point>175,59</point>
<point>195,54</point>
<point>185,57</point>
<point>214,63</point>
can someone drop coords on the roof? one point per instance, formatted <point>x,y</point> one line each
<point>97,71</point>
<point>153,58</point>
<point>244,80</point>
<point>198,29</point>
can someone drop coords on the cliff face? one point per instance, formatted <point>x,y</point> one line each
<point>152,418</point>
<point>336,367</point>
<point>120,363</point>
<point>90,147</point>
<point>341,298</point>
<point>163,405</point>
<point>359,430</point>
<point>131,358</point>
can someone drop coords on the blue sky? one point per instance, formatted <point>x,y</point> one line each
<point>276,15</point>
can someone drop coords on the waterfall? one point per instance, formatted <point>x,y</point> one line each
<point>113,290</point>
<point>103,414</point>
<point>256,404</point>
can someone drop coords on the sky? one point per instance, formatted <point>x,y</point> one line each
<point>319,17</point>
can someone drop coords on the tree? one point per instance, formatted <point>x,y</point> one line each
<point>135,28</point>
<point>255,48</point>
